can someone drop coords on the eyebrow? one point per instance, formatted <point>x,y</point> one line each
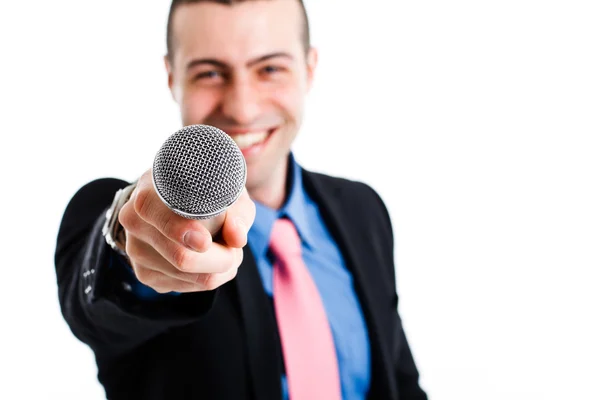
<point>220,64</point>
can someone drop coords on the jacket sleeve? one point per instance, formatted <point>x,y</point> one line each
<point>407,375</point>
<point>95,299</point>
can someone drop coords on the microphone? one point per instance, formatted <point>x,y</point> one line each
<point>198,173</point>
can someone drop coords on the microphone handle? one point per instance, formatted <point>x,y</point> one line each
<point>215,224</point>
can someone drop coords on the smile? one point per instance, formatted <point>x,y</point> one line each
<point>252,141</point>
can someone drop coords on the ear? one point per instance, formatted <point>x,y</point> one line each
<point>312,58</point>
<point>169,69</point>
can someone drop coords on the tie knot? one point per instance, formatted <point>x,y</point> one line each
<point>285,240</point>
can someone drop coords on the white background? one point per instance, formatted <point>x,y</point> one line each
<point>477,121</point>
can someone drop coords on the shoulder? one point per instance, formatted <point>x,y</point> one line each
<point>97,194</point>
<point>357,197</point>
<point>88,203</point>
<point>344,185</point>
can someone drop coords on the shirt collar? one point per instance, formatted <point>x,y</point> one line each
<point>295,208</point>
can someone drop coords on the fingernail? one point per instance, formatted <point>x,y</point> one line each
<point>195,240</point>
<point>241,225</point>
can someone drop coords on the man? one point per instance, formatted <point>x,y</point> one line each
<point>311,313</point>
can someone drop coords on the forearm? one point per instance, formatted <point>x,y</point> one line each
<point>99,308</point>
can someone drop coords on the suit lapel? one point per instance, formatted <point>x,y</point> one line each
<point>339,221</point>
<point>260,327</point>
<point>260,331</point>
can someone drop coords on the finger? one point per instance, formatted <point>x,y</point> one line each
<point>162,283</point>
<point>217,258</point>
<point>166,284</point>
<point>213,281</point>
<point>142,254</point>
<point>150,208</point>
<point>240,217</point>
<point>134,225</point>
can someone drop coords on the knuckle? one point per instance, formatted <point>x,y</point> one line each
<point>166,224</point>
<point>200,279</point>
<point>211,282</point>
<point>135,267</point>
<point>132,249</point>
<point>138,251</point>
<point>162,289</point>
<point>181,258</point>
<point>232,275</point>
<point>141,202</point>
<point>187,287</point>
<point>125,217</point>
<point>144,275</point>
<point>214,281</point>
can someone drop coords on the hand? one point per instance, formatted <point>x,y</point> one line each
<point>170,253</point>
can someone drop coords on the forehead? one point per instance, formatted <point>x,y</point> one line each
<point>236,33</point>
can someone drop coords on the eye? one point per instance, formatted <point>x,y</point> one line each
<point>271,69</point>
<point>208,75</point>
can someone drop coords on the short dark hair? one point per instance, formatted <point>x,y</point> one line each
<point>177,3</point>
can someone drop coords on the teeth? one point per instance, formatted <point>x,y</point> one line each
<point>249,139</point>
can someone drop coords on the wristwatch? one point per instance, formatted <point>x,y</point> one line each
<point>113,232</point>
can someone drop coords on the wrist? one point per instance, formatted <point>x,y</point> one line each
<point>113,232</point>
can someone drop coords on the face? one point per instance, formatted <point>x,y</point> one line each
<point>244,69</point>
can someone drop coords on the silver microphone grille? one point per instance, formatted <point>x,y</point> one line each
<point>199,171</point>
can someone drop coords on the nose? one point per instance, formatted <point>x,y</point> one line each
<point>241,102</point>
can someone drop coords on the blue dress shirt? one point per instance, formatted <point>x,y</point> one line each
<point>333,280</point>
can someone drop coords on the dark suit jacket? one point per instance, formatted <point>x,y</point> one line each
<point>222,344</point>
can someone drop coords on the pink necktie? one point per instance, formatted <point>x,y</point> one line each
<point>306,339</point>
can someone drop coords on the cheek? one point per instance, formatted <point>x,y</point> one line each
<point>197,105</point>
<point>289,99</point>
